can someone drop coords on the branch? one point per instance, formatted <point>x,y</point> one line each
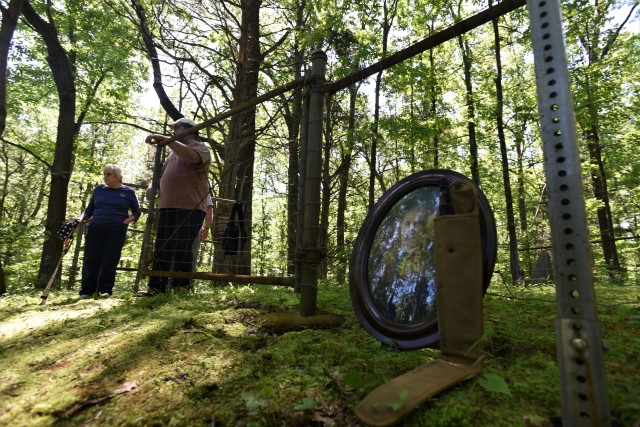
<point>40,159</point>
<point>616,33</point>
<point>147,38</point>
<point>49,14</point>
<point>276,44</point>
<point>90,97</point>
<point>212,142</point>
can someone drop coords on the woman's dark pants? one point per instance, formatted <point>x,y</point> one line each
<point>102,249</point>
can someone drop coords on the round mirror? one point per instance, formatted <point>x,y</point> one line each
<point>392,277</point>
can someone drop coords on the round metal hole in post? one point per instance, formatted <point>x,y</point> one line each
<point>392,275</point>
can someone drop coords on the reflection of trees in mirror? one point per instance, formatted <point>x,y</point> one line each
<point>400,268</point>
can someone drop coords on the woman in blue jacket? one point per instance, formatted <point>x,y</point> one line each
<point>112,208</point>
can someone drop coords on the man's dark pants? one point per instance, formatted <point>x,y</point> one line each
<point>176,231</point>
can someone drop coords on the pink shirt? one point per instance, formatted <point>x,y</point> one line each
<point>185,185</point>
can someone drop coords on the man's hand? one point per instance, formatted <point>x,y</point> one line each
<point>204,232</point>
<point>147,193</point>
<point>155,138</point>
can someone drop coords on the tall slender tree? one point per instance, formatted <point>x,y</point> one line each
<point>10,16</point>
<point>514,262</point>
<point>597,36</point>
<point>389,11</point>
<point>465,52</point>
<point>62,71</point>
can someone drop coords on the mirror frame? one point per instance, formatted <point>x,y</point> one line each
<point>422,334</point>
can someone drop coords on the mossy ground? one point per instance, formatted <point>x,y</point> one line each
<point>205,359</point>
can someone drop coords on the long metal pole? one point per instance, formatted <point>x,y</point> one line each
<point>430,42</point>
<point>580,350</point>
<point>237,109</point>
<point>311,253</point>
<point>236,278</point>
<point>304,136</point>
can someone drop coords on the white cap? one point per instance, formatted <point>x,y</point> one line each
<point>183,121</point>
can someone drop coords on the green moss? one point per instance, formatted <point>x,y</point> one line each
<point>207,358</point>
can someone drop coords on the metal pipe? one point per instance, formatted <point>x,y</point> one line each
<point>235,110</point>
<point>241,278</point>
<point>310,251</point>
<point>304,130</point>
<point>432,41</point>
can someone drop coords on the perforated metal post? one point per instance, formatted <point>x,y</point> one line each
<point>579,344</point>
<point>311,255</point>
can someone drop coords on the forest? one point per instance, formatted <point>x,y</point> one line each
<point>83,82</point>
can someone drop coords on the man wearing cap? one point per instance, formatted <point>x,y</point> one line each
<point>184,187</point>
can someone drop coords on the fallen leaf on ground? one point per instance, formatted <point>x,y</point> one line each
<point>128,387</point>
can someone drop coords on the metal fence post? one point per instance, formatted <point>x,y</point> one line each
<point>311,254</point>
<point>304,135</point>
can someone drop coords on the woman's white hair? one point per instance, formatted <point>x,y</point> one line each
<point>114,169</point>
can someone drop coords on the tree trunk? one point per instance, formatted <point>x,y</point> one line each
<point>374,143</point>
<point>599,181</point>
<point>325,201</point>
<point>345,167</point>
<point>150,46</point>
<point>514,263</point>
<point>522,206</point>
<point>434,110</point>
<point>9,21</point>
<point>471,109</point>
<point>10,17</point>
<point>237,173</point>
<point>62,71</point>
<point>598,39</point>
<point>389,15</point>
<point>293,174</point>
<point>601,192</point>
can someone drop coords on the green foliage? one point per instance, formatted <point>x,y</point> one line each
<point>494,383</point>
<point>362,380</point>
<point>205,357</point>
<point>307,403</point>
<point>255,403</point>
<point>402,398</point>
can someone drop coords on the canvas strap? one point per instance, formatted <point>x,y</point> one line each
<point>458,265</point>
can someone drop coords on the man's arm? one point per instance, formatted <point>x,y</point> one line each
<point>207,223</point>
<point>181,150</point>
<point>185,152</point>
